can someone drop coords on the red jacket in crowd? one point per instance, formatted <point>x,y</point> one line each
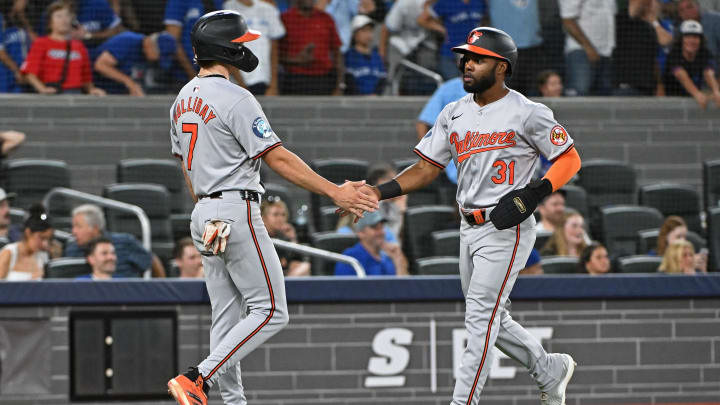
<point>47,56</point>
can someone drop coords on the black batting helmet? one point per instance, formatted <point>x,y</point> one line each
<point>220,35</point>
<point>490,42</point>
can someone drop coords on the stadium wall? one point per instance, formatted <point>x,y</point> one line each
<point>637,339</point>
<point>666,138</point>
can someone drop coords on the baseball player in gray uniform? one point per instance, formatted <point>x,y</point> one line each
<point>220,133</point>
<point>495,136</point>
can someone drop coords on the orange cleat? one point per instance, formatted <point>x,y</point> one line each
<point>189,388</point>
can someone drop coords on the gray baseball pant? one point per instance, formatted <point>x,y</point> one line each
<point>248,271</point>
<point>490,261</point>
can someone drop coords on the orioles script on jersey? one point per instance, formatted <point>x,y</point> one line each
<point>195,105</point>
<point>475,142</point>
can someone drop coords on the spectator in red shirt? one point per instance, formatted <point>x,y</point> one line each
<point>310,52</point>
<point>45,67</point>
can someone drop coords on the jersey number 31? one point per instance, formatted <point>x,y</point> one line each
<point>192,129</point>
<point>506,171</point>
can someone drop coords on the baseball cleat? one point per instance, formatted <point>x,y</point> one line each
<point>556,395</point>
<point>188,388</point>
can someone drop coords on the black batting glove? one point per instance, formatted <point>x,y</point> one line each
<point>517,205</point>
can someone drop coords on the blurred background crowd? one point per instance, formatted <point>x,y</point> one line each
<point>602,222</point>
<point>400,47</point>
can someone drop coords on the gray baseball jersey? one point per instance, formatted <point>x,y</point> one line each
<point>495,147</point>
<point>220,131</point>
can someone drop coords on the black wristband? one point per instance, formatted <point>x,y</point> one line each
<point>388,190</point>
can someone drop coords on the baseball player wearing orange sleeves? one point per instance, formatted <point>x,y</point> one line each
<point>495,136</point>
<point>221,134</point>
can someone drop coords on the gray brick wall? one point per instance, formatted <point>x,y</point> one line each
<point>628,352</point>
<point>665,138</point>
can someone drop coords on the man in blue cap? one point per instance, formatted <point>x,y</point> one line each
<point>371,250</point>
<point>124,58</point>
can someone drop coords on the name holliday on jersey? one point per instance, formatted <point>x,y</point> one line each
<point>475,142</point>
<point>195,106</point>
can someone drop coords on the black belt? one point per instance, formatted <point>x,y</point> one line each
<point>244,194</point>
<point>476,217</point>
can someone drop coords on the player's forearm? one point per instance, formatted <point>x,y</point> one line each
<point>188,182</point>
<point>413,178</point>
<point>292,168</point>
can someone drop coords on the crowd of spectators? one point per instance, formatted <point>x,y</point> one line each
<point>609,47</point>
<point>379,248</point>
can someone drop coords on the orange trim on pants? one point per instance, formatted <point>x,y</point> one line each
<point>272,298</point>
<point>492,317</point>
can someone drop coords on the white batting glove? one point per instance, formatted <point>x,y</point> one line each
<point>215,236</point>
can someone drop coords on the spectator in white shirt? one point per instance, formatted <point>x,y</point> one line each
<point>264,17</point>
<point>589,42</point>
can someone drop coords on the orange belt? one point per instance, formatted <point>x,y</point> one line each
<point>476,217</point>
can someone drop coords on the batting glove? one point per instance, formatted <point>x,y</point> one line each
<point>517,205</point>
<point>215,236</point>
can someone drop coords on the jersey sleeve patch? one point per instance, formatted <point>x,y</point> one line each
<point>261,128</point>
<point>558,135</point>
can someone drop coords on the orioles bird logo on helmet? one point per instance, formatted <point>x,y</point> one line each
<point>474,36</point>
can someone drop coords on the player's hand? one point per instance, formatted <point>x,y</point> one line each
<point>351,199</point>
<point>701,99</point>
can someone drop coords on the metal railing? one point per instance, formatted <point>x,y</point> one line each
<point>108,203</point>
<point>324,254</point>
<point>397,75</point>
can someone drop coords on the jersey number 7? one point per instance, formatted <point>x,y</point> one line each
<point>192,129</point>
<point>503,174</point>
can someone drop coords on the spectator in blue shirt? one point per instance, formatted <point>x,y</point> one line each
<point>88,223</point>
<point>102,260</point>
<point>521,20</point>
<point>124,58</point>
<point>364,68</point>
<point>369,251</point>
<point>452,19</point>
<point>451,90</point>
<point>97,22</point>
<point>14,46</point>
<point>180,17</point>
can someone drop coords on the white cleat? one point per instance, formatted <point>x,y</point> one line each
<point>556,394</point>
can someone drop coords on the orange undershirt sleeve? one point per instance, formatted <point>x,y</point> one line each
<point>563,168</point>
